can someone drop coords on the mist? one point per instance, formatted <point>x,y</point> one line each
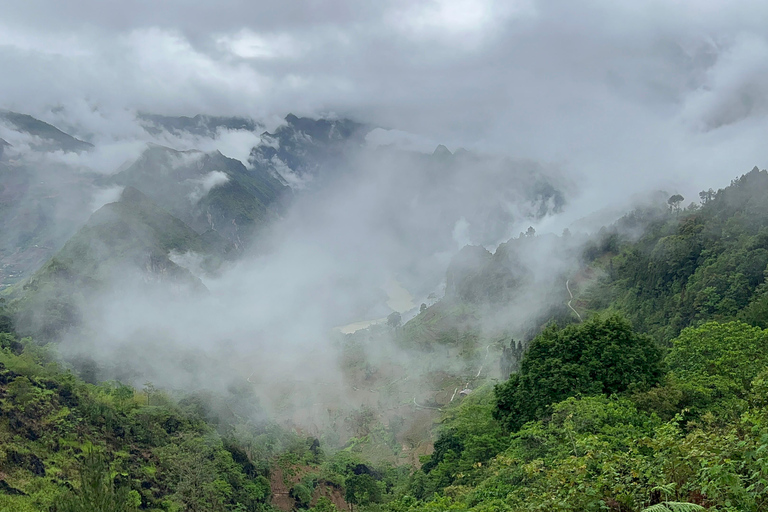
<point>604,103</point>
<point>386,221</point>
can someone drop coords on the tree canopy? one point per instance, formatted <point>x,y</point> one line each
<point>600,356</point>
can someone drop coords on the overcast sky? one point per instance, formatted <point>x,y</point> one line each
<point>621,93</point>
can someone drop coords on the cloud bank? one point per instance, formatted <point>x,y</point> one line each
<point>628,95</point>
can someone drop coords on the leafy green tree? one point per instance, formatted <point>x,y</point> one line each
<point>601,355</point>
<point>394,320</point>
<point>97,492</point>
<point>362,490</point>
<point>674,202</point>
<point>719,359</point>
<point>324,504</point>
<point>301,494</point>
<point>756,313</point>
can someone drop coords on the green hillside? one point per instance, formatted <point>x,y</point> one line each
<point>65,442</point>
<point>648,396</point>
<point>240,200</point>
<point>704,262</point>
<point>130,235</point>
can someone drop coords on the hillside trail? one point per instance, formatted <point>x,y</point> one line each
<point>567,287</point>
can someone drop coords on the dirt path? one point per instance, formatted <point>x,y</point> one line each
<point>567,287</point>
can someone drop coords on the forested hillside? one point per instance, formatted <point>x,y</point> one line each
<point>707,261</point>
<point>643,391</point>
<point>601,416</point>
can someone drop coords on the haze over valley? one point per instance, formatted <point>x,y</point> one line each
<point>451,255</point>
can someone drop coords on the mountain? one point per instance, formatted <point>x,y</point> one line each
<point>51,138</point>
<point>206,191</point>
<point>706,262</point>
<point>128,240</point>
<point>42,204</point>
<point>304,149</point>
<point>200,125</point>
<point>664,411</point>
<point>43,200</point>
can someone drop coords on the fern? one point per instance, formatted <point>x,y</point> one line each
<point>674,506</point>
<point>666,489</point>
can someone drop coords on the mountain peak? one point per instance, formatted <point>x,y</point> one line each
<point>54,138</point>
<point>442,151</point>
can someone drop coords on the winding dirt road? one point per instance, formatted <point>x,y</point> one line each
<point>567,287</point>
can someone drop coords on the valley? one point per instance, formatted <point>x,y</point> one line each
<point>188,336</point>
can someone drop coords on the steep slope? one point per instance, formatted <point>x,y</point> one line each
<point>200,125</point>
<point>55,428</point>
<point>42,199</point>
<point>51,138</point>
<point>306,149</point>
<point>206,191</point>
<point>131,239</point>
<point>709,261</point>
<point>41,206</point>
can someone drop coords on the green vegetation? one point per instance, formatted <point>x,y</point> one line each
<point>97,489</point>
<point>707,262</point>
<point>242,200</point>
<point>600,356</point>
<point>74,445</point>
<point>132,234</point>
<point>656,402</point>
<point>613,452</point>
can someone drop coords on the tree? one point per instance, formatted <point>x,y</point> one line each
<point>599,356</point>
<point>724,357</point>
<point>362,490</point>
<point>707,195</point>
<point>422,308</point>
<point>97,490</point>
<point>674,202</point>
<point>324,504</point>
<point>530,233</point>
<point>394,320</point>
<point>301,494</point>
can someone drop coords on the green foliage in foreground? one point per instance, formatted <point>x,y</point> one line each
<point>79,447</point>
<point>615,453</point>
<point>599,356</point>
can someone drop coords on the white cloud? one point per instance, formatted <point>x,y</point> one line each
<point>104,196</point>
<point>207,183</point>
<point>250,45</point>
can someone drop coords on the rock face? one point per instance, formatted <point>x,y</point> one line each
<point>307,149</point>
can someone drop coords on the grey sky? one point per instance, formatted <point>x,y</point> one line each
<point>623,94</point>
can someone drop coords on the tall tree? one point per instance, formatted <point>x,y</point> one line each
<point>601,355</point>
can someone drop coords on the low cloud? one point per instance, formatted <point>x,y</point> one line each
<point>207,183</point>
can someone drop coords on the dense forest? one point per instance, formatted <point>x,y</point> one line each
<point>649,395</point>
